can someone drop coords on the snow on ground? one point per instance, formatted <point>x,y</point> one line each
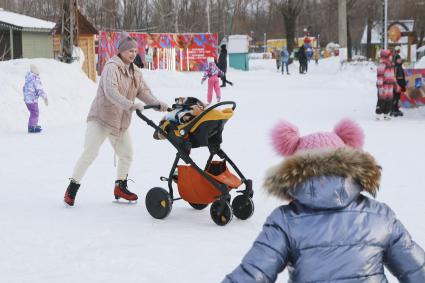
<point>421,63</point>
<point>102,241</point>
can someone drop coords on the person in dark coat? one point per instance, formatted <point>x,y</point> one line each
<point>401,83</point>
<point>330,231</point>
<point>222,65</point>
<point>138,61</point>
<point>302,58</point>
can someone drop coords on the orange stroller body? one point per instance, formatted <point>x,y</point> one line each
<point>201,187</point>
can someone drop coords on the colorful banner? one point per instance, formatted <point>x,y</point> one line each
<point>170,51</point>
<point>415,90</point>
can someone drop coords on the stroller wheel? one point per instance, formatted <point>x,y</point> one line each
<point>158,203</point>
<point>198,206</point>
<point>243,207</point>
<point>221,212</point>
<point>229,199</point>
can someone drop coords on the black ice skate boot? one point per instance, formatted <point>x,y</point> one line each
<point>121,191</point>
<point>71,192</point>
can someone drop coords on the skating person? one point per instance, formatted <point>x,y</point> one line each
<point>222,65</point>
<point>110,115</point>
<point>316,56</point>
<point>302,58</point>
<point>385,83</point>
<point>212,73</point>
<point>330,231</point>
<point>278,59</point>
<point>284,58</point>
<point>401,83</point>
<point>32,90</point>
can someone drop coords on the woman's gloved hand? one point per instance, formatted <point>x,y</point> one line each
<point>162,106</point>
<point>137,106</point>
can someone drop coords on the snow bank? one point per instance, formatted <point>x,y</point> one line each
<point>420,64</point>
<point>263,55</point>
<point>69,90</point>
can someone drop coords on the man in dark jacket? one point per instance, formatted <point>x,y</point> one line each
<point>138,61</point>
<point>222,65</point>
<point>302,58</point>
<point>330,231</point>
<point>401,83</point>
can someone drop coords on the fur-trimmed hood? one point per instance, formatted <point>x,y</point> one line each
<point>324,178</point>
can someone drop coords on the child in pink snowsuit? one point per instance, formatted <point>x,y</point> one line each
<point>213,73</point>
<point>385,83</point>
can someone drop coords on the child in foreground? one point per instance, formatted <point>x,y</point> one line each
<point>330,231</point>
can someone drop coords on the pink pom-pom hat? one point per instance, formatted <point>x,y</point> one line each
<point>287,140</point>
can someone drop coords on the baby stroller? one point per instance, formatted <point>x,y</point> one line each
<point>197,186</point>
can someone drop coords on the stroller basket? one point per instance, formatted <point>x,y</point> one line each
<point>194,188</point>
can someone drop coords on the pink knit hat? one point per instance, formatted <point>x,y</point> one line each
<point>287,140</point>
<point>126,42</point>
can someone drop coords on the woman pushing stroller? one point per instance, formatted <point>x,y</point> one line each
<point>110,115</point>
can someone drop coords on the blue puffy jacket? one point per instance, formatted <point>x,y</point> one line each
<point>330,232</point>
<point>284,55</point>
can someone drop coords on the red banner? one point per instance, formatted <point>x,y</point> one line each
<point>179,52</point>
<point>415,90</point>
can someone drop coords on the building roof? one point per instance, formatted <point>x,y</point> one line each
<point>25,23</point>
<point>84,25</point>
<point>405,25</point>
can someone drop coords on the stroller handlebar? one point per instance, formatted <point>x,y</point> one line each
<point>155,106</point>
<point>225,103</point>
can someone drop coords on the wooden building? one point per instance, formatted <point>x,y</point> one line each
<point>86,41</point>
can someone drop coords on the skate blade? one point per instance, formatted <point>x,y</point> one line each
<point>65,204</point>
<point>125,202</point>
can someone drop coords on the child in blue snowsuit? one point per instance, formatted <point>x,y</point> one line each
<point>32,91</point>
<point>330,231</point>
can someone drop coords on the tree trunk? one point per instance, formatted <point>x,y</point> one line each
<point>176,16</point>
<point>421,38</point>
<point>349,43</point>
<point>289,31</point>
<point>369,38</point>
<point>232,19</point>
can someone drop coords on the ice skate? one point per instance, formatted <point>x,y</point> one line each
<point>71,192</point>
<point>121,191</point>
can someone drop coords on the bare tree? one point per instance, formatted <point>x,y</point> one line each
<point>5,50</point>
<point>371,8</point>
<point>277,18</point>
<point>350,9</point>
<point>290,10</point>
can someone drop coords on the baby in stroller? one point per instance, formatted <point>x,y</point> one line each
<point>183,111</point>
